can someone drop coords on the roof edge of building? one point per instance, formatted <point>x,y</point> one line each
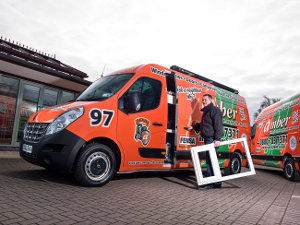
<point>42,68</point>
<point>30,55</point>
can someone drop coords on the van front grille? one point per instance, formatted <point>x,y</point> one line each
<point>33,132</point>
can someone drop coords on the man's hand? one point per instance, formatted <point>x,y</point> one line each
<point>217,144</point>
<point>189,128</point>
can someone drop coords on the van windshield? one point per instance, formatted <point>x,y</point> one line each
<point>104,88</point>
<point>253,131</point>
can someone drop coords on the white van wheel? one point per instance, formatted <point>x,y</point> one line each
<point>96,165</point>
<point>289,169</point>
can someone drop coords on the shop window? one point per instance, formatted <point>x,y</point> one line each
<point>67,97</point>
<point>50,97</point>
<point>8,98</point>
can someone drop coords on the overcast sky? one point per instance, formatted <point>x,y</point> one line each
<point>250,45</point>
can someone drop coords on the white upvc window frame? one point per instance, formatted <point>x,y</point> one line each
<point>217,177</point>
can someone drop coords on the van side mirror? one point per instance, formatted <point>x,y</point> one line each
<point>134,101</point>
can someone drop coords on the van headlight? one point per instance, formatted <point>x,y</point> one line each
<point>64,120</point>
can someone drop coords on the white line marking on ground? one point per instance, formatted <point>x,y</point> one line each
<point>295,196</point>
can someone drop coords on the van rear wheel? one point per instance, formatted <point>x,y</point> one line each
<point>235,163</point>
<point>289,169</point>
<point>95,166</point>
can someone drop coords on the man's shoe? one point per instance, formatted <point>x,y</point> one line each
<point>217,185</point>
<point>205,187</point>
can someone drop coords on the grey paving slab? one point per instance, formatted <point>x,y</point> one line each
<point>33,195</point>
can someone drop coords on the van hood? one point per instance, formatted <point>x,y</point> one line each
<point>48,115</point>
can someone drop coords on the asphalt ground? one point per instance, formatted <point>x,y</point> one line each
<point>32,195</point>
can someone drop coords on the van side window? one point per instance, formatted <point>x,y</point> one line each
<point>151,92</point>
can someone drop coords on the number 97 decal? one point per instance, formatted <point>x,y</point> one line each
<point>96,116</point>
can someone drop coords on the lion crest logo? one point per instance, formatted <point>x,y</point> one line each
<point>141,131</point>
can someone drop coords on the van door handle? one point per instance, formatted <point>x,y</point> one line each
<point>157,124</point>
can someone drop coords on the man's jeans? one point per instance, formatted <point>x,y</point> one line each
<point>209,171</point>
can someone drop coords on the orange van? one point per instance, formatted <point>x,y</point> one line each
<point>275,137</point>
<point>132,120</point>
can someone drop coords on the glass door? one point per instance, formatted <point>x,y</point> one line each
<point>29,106</point>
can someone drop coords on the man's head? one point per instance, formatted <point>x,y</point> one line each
<point>207,99</point>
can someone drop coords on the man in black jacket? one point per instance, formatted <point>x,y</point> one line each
<point>211,129</point>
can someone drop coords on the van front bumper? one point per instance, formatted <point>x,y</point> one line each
<point>57,151</point>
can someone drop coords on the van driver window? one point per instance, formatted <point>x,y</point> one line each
<point>151,92</point>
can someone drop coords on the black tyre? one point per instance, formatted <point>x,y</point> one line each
<point>50,169</point>
<point>235,163</point>
<point>96,165</point>
<point>289,169</point>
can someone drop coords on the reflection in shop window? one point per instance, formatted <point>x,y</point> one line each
<point>8,97</point>
<point>67,97</point>
<point>29,106</point>
<point>50,97</point>
<point>31,93</point>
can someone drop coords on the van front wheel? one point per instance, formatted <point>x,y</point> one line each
<point>289,170</point>
<point>95,166</point>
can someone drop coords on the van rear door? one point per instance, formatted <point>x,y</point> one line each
<point>189,94</point>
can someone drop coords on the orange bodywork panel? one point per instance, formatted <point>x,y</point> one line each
<point>276,134</point>
<point>141,136</point>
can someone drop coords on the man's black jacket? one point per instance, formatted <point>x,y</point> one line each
<point>211,123</point>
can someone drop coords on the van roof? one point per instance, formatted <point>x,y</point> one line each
<point>133,69</point>
<point>180,70</point>
<point>270,110</point>
<point>200,77</point>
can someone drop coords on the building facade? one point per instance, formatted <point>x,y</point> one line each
<point>31,81</point>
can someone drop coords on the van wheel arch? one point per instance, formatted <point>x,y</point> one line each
<point>105,141</point>
<point>240,154</point>
<point>285,158</point>
<point>289,169</point>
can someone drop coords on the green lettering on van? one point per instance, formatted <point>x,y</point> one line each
<point>282,115</point>
<point>227,103</point>
<point>272,163</point>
